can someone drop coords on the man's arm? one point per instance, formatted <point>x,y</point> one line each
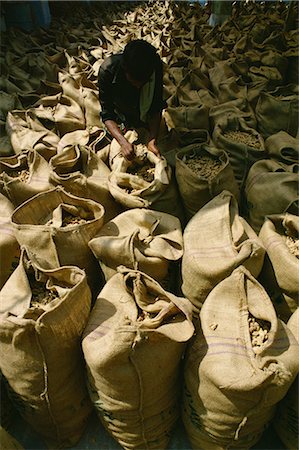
<point>157,106</point>
<point>125,147</point>
<point>108,115</point>
<point>154,126</point>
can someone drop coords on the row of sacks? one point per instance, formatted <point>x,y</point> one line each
<point>232,63</point>
<point>263,179</point>
<point>201,172</point>
<point>135,335</point>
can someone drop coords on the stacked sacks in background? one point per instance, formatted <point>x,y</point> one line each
<point>216,241</point>
<point>42,315</point>
<point>240,364</point>
<point>133,345</point>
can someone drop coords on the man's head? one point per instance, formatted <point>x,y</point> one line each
<point>140,59</point>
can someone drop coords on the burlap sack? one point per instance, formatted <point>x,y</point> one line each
<point>82,173</point>
<point>292,63</point>
<point>186,137</point>
<point>273,58</point>
<point>77,137</point>
<point>286,418</point>
<point>239,108</point>
<point>232,89</point>
<point>40,349</point>
<point>216,241</point>
<point>9,247</point>
<point>24,175</point>
<point>265,72</point>
<point>271,187</point>
<point>8,102</point>
<point>222,70</point>
<point>283,147</point>
<point>278,111</point>
<point>133,346</point>
<point>243,144</point>
<point>190,98</point>
<point>98,139</point>
<point>85,94</point>
<point>191,117</point>
<point>5,146</point>
<point>27,132</point>
<point>256,88</point>
<point>232,383</point>
<point>155,189</point>
<point>279,234</point>
<point>139,239</point>
<point>214,174</point>
<point>56,227</point>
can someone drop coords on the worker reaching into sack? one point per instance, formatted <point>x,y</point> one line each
<point>131,93</point>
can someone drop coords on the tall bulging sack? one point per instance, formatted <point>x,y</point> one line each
<point>42,315</point>
<point>133,345</point>
<point>278,111</point>
<point>56,227</point>
<point>271,188</point>
<point>202,172</point>
<point>139,239</point>
<point>283,147</point>
<point>216,241</point>
<point>280,237</point>
<point>144,183</point>
<point>243,144</point>
<point>240,365</point>
<point>82,173</point>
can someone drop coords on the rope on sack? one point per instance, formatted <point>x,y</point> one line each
<point>44,394</point>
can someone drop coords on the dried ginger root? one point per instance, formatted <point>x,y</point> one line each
<point>41,296</point>
<point>293,245</point>
<point>258,330</point>
<point>205,166</point>
<point>243,137</point>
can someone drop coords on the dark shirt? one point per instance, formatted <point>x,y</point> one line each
<point>119,98</point>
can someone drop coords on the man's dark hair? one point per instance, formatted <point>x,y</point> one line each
<point>140,59</point>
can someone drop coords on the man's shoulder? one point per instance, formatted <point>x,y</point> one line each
<point>112,63</point>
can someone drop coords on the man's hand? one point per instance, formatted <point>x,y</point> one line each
<point>152,147</point>
<point>127,150</point>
